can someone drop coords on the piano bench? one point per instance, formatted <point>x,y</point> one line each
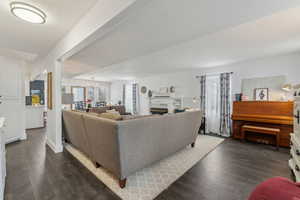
<point>262,130</point>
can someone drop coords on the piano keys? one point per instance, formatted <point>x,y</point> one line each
<point>269,114</point>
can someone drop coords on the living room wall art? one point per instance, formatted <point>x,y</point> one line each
<point>49,91</point>
<point>261,94</point>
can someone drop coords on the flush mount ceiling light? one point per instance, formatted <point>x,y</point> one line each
<point>28,12</point>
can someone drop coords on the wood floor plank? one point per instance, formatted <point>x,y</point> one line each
<point>229,172</point>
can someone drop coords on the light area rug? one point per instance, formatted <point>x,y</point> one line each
<point>149,182</point>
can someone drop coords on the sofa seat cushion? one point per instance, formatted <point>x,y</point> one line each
<point>113,116</point>
<point>131,117</point>
<point>277,188</point>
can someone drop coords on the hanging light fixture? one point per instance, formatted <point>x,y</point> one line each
<point>28,12</point>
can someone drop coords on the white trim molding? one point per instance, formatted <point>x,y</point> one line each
<point>24,136</point>
<point>53,147</point>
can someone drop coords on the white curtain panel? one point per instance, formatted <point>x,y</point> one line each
<point>128,98</point>
<point>213,104</point>
<point>135,98</point>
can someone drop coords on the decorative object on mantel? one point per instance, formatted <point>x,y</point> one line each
<point>49,91</point>
<point>172,89</point>
<point>149,93</point>
<point>261,94</point>
<point>143,89</point>
<point>287,87</point>
<point>163,90</point>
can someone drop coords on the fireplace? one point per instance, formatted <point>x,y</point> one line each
<point>159,111</point>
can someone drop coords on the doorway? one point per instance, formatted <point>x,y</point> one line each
<point>212,104</point>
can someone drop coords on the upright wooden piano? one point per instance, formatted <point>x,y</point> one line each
<point>269,114</point>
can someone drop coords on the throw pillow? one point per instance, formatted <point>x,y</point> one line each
<point>113,111</point>
<point>113,116</point>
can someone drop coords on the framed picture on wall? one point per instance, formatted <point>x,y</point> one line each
<point>261,94</point>
<point>163,90</point>
<point>49,90</point>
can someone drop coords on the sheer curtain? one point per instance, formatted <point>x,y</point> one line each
<point>128,98</point>
<point>135,99</point>
<point>212,99</point>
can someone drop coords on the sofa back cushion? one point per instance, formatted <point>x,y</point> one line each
<point>103,138</point>
<point>113,116</point>
<point>182,128</point>
<point>99,110</point>
<point>75,130</point>
<point>120,109</point>
<point>147,140</point>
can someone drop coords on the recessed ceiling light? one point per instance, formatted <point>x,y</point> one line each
<point>28,12</point>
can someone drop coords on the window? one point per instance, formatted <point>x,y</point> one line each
<point>102,94</point>
<point>91,94</point>
<point>78,97</point>
<point>127,92</point>
<point>135,98</point>
<point>78,94</point>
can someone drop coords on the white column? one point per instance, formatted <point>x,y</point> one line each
<point>54,122</point>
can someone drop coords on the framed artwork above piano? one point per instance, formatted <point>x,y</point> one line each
<point>264,114</point>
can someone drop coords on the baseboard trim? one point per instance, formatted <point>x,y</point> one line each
<point>24,136</point>
<point>11,140</point>
<point>15,139</point>
<point>53,147</point>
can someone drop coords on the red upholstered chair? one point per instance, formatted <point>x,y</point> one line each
<point>277,188</point>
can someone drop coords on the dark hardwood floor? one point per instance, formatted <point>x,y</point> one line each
<point>230,172</point>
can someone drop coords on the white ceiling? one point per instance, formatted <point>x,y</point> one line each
<point>171,35</point>
<point>38,39</point>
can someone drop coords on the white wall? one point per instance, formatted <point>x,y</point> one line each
<point>288,65</point>
<point>117,93</point>
<point>186,85</point>
<point>12,90</point>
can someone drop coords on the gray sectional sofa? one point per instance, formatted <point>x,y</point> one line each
<point>121,109</point>
<point>126,146</point>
